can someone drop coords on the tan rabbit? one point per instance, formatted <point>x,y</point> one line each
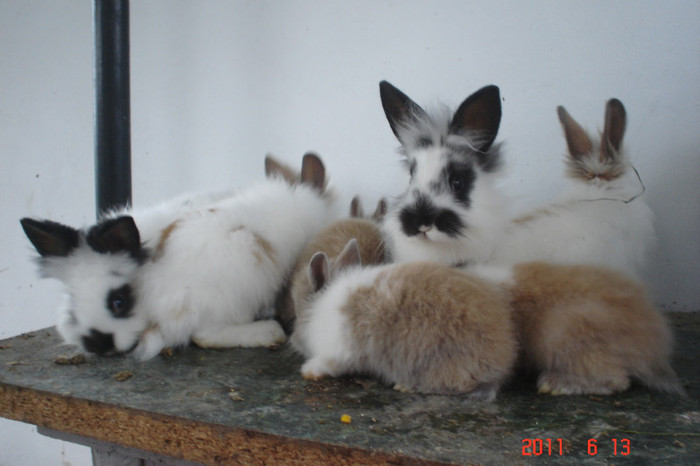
<point>588,330</point>
<point>421,326</point>
<point>331,240</point>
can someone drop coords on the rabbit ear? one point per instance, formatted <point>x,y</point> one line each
<point>356,210</point>
<point>577,139</point>
<point>319,271</point>
<point>380,211</point>
<point>275,168</point>
<point>350,255</point>
<point>50,238</point>
<point>614,129</point>
<point>313,173</point>
<point>399,109</point>
<point>115,235</point>
<point>481,113</point>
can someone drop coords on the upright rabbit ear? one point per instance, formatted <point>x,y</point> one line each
<point>577,139</point>
<point>319,271</point>
<point>115,235</point>
<point>313,173</point>
<point>480,113</point>
<point>356,210</point>
<point>275,168</point>
<point>350,255</point>
<point>614,130</point>
<point>50,238</point>
<point>380,211</point>
<point>399,109</point>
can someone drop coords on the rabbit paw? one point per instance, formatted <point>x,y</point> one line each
<point>259,333</point>
<point>557,384</point>
<point>318,368</point>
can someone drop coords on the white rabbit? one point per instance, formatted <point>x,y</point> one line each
<point>601,219</point>
<point>452,211</point>
<point>421,326</point>
<point>205,269</point>
<point>331,240</point>
<point>586,329</point>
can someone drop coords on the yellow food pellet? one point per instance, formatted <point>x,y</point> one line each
<point>346,419</point>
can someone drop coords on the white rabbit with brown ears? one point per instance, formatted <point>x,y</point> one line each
<point>601,219</point>
<point>452,211</point>
<point>205,271</point>
<point>420,326</point>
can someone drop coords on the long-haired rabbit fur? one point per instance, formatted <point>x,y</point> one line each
<point>206,270</point>
<point>421,326</point>
<point>331,241</point>
<point>453,213</point>
<point>586,329</point>
<point>600,219</point>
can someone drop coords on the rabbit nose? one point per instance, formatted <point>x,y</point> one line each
<point>98,342</point>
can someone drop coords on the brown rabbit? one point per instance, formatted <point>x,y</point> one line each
<point>421,326</point>
<point>331,240</point>
<point>588,330</point>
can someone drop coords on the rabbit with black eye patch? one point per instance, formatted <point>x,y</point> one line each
<point>601,219</point>
<point>586,329</point>
<point>420,326</point>
<point>331,241</point>
<point>452,211</point>
<point>204,269</point>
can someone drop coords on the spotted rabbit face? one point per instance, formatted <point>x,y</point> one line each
<point>97,267</point>
<point>451,160</point>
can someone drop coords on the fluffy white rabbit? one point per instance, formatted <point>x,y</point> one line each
<point>601,219</point>
<point>452,211</point>
<point>420,326</point>
<point>204,269</point>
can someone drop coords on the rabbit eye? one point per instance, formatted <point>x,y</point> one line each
<point>456,184</point>
<point>120,302</point>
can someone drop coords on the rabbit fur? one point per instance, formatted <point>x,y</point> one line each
<point>600,219</point>
<point>453,212</point>
<point>331,240</point>
<point>586,329</point>
<point>204,269</point>
<point>421,326</point>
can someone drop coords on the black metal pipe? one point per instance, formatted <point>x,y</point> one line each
<point>112,110</point>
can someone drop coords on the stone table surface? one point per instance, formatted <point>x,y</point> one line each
<point>252,406</point>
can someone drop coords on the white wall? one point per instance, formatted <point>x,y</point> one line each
<point>217,84</point>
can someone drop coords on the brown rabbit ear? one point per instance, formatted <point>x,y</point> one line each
<point>274,168</point>
<point>356,210</point>
<point>399,109</point>
<point>313,173</point>
<point>577,140</point>
<point>614,129</point>
<point>350,255</point>
<point>380,211</point>
<point>319,271</point>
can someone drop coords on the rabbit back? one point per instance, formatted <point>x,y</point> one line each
<point>588,330</point>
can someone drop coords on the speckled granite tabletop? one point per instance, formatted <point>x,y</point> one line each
<point>245,405</point>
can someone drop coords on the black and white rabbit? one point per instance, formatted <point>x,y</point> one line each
<point>204,269</point>
<point>420,326</point>
<point>600,219</point>
<point>452,211</point>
